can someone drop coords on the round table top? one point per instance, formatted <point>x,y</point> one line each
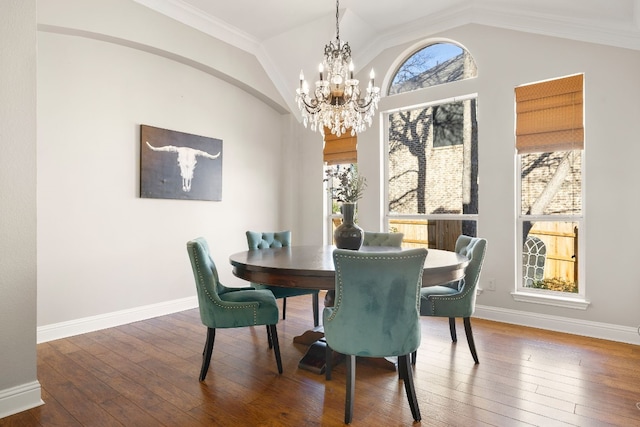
<point>311,267</point>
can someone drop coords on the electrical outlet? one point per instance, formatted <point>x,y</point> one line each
<point>491,284</point>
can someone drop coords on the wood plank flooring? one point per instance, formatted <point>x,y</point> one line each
<point>146,374</point>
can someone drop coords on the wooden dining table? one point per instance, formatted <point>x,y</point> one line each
<point>311,267</point>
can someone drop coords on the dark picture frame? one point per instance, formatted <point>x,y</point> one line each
<point>178,165</point>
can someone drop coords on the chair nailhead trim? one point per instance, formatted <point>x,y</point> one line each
<point>254,306</point>
<point>434,298</point>
<point>338,300</point>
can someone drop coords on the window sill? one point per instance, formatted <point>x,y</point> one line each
<point>558,301</point>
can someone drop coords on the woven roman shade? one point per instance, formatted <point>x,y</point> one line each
<point>549,116</point>
<point>340,150</point>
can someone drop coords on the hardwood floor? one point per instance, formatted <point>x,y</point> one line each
<point>146,374</point>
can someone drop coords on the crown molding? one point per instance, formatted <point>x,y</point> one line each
<point>195,18</point>
<point>623,34</point>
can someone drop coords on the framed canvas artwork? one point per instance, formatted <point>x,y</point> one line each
<point>177,165</point>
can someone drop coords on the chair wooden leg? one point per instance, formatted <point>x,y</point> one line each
<point>409,386</point>
<point>351,386</point>
<point>284,308</point>
<point>276,346</point>
<point>402,370</point>
<point>469,332</point>
<point>328,363</point>
<point>206,354</point>
<point>414,356</point>
<point>269,339</point>
<point>316,313</point>
<point>452,329</point>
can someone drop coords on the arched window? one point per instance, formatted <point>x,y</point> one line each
<point>433,65</point>
<point>432,171</point>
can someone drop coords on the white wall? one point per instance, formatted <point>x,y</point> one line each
<point>19,388</point>
<point>506,59</point>
<point>101,248</point>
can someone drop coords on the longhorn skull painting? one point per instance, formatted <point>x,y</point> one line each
<point>176,165</point>
<point>186,161</point>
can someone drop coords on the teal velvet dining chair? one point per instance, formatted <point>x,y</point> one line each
<point>263,240</point>
<point>372,238</point>
<point>225,307</point>
<point>457,299</point>
<point>376,313</point>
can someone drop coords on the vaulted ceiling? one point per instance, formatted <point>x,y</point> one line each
<point>287,35</point>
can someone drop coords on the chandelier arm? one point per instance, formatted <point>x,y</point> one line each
<point>312,107</point>
<point>362,105</point>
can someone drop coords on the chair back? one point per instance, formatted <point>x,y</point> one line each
<point>223,307</point>
<point>473,248</point>
<point>382,239</point>
<point>206,276</point>
<point>376,304</point>
<point>262,240</point>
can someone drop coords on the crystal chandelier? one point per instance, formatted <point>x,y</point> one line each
<point>337,104</point>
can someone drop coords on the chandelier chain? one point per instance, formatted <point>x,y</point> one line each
<point>338,21</point>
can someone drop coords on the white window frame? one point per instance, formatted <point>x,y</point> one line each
<point>441,217</point>
<point>544,296</point>
<point>328,211</point>
<point>329,215</point>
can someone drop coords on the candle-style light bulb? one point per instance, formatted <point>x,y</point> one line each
<point>372,76</point>
<point>301,78</point>
<point>320,69</point>
<point>351,70</point>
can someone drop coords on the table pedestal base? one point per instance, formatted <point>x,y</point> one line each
<point>315,361</point>
<point>311,336</point>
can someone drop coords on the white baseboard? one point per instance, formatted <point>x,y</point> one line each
<point>95,323</point>
<point>535,320</point>
<point>585,328</point>
<point>20,398</point>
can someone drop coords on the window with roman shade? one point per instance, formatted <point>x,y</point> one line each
<point>340,149</point>
<point>549,140</point>
<point>340,153</point>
